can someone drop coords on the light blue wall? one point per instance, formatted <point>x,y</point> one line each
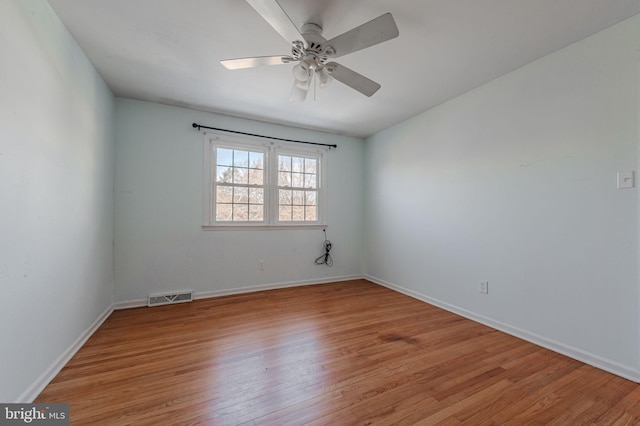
<point>515,183</point>
<point>56,189</point>
<point>160,244</point>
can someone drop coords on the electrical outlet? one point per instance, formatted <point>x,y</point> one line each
<point>261,265</point>
<point>484,287</point>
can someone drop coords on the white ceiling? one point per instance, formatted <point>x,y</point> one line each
<point>168,51</point>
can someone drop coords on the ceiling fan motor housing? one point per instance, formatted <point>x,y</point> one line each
<point>313,54</point>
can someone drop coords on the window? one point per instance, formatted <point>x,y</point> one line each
<point>297,188</point>
<point>240,185</point>
<point>253,182</point>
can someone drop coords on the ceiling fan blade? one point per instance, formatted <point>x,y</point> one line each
<point>299,90</point>
<point>275,15</point>
<point>352,79</point>
<point>239,63</point>
<point>376,31</point>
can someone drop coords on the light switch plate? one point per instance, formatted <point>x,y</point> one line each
<point>625,180</point>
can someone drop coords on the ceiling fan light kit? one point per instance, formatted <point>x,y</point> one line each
<point>312,51</point>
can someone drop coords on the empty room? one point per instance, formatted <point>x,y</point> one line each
<point>319,212</point>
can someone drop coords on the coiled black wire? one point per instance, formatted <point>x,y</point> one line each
<point>326,258</point>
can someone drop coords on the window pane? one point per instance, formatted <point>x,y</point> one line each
<point>284,163</point>
<point>298,198</point>
<point>285,213</point>
<point>311,198</point>
<point>297,180</point>
<point>224,194</point>
<point>256,160</point>
<point>256,213</point>
<point>240,194</point>
<point>256,196</point>
<point>240,175</point>
<point>241,212</point>
<point>256,177</point>
<point>310,165</point>
<point>284,179</point>
<point>297,164</point>
<point>298,213</point>
<point>240,158</point>
<point>223,212</point>
<point>311,213</point>
<point>224,157</point>
<point>310,181</point>
<point>224,174</point>
<point>285,197</point>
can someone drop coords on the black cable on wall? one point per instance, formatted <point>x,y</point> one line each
<point>326,258</point>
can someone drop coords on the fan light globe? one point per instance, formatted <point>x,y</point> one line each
<point>301,72</point>
<point>323,77</point>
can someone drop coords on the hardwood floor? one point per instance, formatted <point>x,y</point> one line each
<point>337,354</point>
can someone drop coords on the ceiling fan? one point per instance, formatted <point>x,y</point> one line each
<point>312,51</point>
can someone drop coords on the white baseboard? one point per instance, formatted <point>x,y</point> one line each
<point>264,287</point>
<point>575,353</point>
<point>32,392</point>
<point>137,303</point>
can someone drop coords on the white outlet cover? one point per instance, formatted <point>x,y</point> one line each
<point>484,287</point>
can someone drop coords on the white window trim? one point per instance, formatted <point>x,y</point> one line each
<point>271,148</point>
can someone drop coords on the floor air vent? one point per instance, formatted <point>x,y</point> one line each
<point>169,298</point>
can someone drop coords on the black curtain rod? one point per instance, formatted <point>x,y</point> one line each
<point>199,126</point>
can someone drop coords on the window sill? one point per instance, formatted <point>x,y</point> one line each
<point>260,227</point>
